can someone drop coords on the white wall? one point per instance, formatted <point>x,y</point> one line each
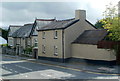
<point>49,43</point>
<point>10,41</point>
<point>72,32</point>
<point>91,52</point>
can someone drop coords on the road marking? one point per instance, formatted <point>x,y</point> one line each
<point>71,68</point>
<point>91,72</point>
<point>10,69</point>
<point>24,67</point>
<point>16,72</point>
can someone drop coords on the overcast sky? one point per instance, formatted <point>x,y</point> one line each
<point>19,13</point>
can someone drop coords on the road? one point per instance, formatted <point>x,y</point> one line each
<point>21,69</point>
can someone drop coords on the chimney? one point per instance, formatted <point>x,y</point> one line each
<point>119,8</point>
<point>80,14</point>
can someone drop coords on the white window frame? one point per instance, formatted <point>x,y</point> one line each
<point>55,34</point>
<point>43,49</point>
<point>43,35</point>
<point>35,42</point>
<point>28,43</point>
<point>55,51</point>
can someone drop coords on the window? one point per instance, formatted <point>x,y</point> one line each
<point>55,34</point>
<point>43,35</point>
<point>28,43</point>
<point>55,51</point>
<point>35,43</point>
<point>43,49</point>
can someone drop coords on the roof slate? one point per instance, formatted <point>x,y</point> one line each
<point>58,24</point>
<point>40,23</point>
<point>91,37</point>
<point>12,29</point>
<point>23,31</point>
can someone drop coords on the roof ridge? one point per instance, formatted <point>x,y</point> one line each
<point>15,25</point>
<point>45,19</point>
<point>66,19</point>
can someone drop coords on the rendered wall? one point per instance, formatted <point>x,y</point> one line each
<point>91,52</point>
<point>49,43</point>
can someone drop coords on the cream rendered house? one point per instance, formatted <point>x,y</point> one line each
<point>54,39</point>
<point>26,36</point>
<point>11,30</point>
<point>22,38</point>
<point>34,34</point>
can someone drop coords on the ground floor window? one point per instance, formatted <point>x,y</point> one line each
<point>35,43</point>
<point>43,49</point>
<point>55,51</point>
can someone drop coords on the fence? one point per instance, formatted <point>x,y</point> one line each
<point>6,50</point>
<point>107,44</point>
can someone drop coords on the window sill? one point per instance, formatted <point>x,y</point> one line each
<point>55,54</point>
<point>55,37</point>
<point>43,52</point>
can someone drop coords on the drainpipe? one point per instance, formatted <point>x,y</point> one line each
<point>63,60</point>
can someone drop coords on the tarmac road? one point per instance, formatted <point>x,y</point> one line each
<point>22,69</point>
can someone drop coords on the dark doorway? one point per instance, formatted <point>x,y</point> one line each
<point>35,53</point>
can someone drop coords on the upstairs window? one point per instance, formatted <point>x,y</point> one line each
<point>55,51</point>
<point>43,35</point>
<point>35,43</point>
<point>43,49</point>
<point>55,34</point>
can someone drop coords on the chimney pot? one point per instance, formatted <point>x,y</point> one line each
<point>80,14</point>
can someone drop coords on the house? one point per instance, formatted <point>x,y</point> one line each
<point>22,38</point>
<point>54,39</point>
<point>34,34</point>
<point>11,30</point>
<point>26,36</point>
<point>85,47</point>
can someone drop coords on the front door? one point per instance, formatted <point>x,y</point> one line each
<point>35,53</point>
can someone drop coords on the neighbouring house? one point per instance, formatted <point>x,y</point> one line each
<point>26,37</point>
<point>22,38</point>
<point>54,39</point>
<point>85,47</point>
<point>11,30</point>
<point>34,34</point>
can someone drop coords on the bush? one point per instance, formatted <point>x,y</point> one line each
<point>28,50</point>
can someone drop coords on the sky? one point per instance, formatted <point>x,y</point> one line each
<point>20,12</point>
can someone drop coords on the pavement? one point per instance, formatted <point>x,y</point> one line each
<point>85,67</point>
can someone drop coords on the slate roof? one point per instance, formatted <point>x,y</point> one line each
<point>12,29</point>
<point>91,37</point>
<point>40,23</point>
<point>58,24</point>
<point>45,19</point>
<point>24,31</point>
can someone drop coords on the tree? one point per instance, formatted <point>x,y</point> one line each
<point>4,33</point>
<point>111,22</point>
<point>99,25</point>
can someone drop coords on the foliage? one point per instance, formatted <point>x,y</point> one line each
<point>4,33</point>
<point>99,25</point>
<point>111,22</point>
<point>28,50</point>
<point>4,45</point>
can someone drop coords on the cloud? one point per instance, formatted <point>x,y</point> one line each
<point>25,12</point>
